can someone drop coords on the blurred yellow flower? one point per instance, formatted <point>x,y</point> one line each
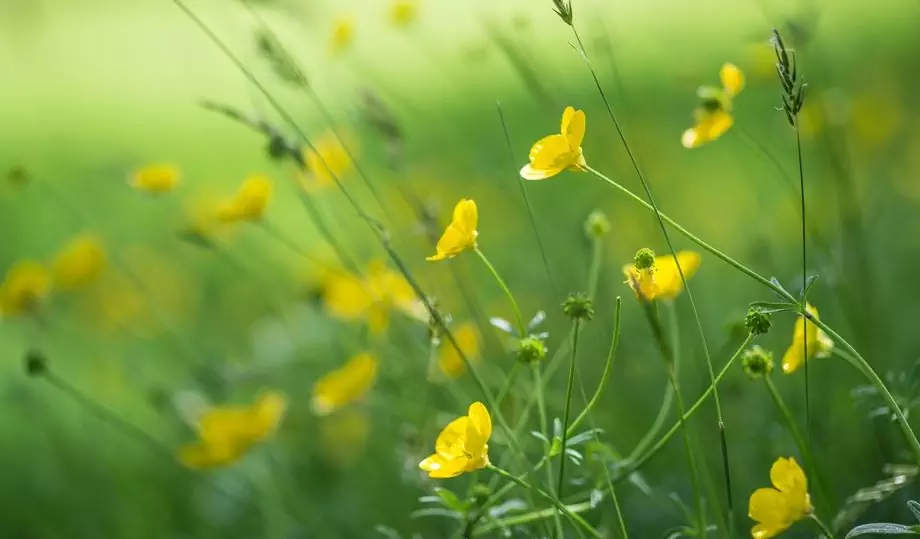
<point>403,12</point>
<point>344,436</point>
<point>343,34</point>
<point>79,263</point>
<point>662,280</point>
<point>26,283</point>
<point>372,297</point>
<point>250,201</point>
<point>776,509</point>
<point>462,446</point>
<point>461,233</point>
<point>449,360</point>
<point>225,434</point>
<point>155,178</point>
<point>553,154</point>
<point>714,115</point>
<point>344,385</point>
<point>806,333</point>
<point>327,161</point>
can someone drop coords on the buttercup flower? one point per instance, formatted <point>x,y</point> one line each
<point>371,298</point>
<point>25,285</point>
<point>79,263</point>
<point>776,509</point>
<point>403,12</point>
<point>462,446</point>
<point>344,385</point>
<point>662,279</point>
<point>449,360</point>
<point>225,434</point>
<point>250,201</point>
<point>714,114</point>
<point>343,34</point>
<point>155,178</point>
<point>552,154</point>
<point>326,161</point>
<point>461,233</point>
<point>819,344</point>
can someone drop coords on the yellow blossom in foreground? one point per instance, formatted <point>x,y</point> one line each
<point>327,161</point>
<point>155,178</point>
<point>806,333</point>
<point>25,285</point>
<point>776,509</point>
<point>79,263</point>
<point>714,115</point>
<point>250,201</point>
<point>462,446</point>
<point>372,297</point>
<point>344,385</point>
<point>552,154</point>
<point>449,360</point>
<point>403,12</point>
<point>343,34</point>
<point>461,233</point>
<point>662,280</point>
<point>225,434</point>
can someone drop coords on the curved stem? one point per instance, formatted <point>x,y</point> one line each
<point>611,356</point>
<point>798,142</point>
<point>576,325</point>
<point>544,430</point>
<point>822,526</point>
<point>527,518</point>
<point>522,328</point>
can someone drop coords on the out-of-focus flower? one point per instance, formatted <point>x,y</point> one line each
<point>159,178</point>
<point>403,12</point>
<point>776,509</point>
<point>26,284</point>
<point>463,445</point>
<point>225,434</point>
<point>805,334</point>
<point>554,153</point>
<point>345,385</point>
<point>714,114</point>
<point>449,360</point>
<point>460,235</point>
<point>344,436</point>
<point>662,279</point>
<point>250,201</point>
<point>79,263</point>
<point>343,35</point>
<point>327,161</point>
<point>372,297</point>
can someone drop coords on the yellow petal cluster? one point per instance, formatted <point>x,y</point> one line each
<point>225,434</point>
<point>372,297</point>
<point>713,117</point>
<point>79,263</point>
<point>806,335</point>
<point>460,235</point>
<point>776,509</point>
<point>250,201</point>
<point>554,153</point>
<point>662,280</point>
<point>345,385</point>
<point>159,178</point>
<point>25,285</point>
<point>463,445</point>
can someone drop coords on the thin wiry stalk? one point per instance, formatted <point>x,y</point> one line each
<point>544,429</point>
<point>798,143</point>
<point>576,325</point>
<point>680,271</point>
<point>522,327</point>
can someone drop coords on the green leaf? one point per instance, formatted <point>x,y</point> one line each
<point>914,508</point>
<point>450,499</point>
<point>881,528</point>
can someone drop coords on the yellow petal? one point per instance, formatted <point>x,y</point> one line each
<point>450,361</point>
<point>644,283</point>
<point>732,79</point>
<point>787,476</point>
<point>530,173</point>
<point>768,507</point>
<point>460,235</point>
<point>269,409</point>
<point>344,385</point>
<point>250,202</point>
<point>805,333</point>
<point>710,126</point>
<point>346,296</point>
<point>155,178</point>
<point>466,216</point>
<point>550,152</point>
<point>26,283</point>
<point>451,442</point>
<point>440,468</point>
<point>203,455</point>
<point>480,420</point>
<point>573,127</point>
<point>667,275</point>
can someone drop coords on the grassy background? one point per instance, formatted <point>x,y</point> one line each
<point>95,89</point>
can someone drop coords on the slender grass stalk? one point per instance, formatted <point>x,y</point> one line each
<point>509,383</point>
<point>574,517</point>
<point>798,143</point>
<point>544,430</point>
<point>825,529</point>
<point>528,518</point>
<point>276,234</point>
<point>522,327</point>
<point>576,325</point>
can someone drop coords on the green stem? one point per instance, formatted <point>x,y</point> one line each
<point>822,526</point>
<point>798,143</point>
<point>576,324</point>
<point>509,383</point>
<point>530,517</point>
<point>522,328</point>
<point>544,429</point>
<point>605,376</point>
<point>574,517</point>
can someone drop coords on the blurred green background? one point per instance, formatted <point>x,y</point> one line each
<point>95,89</point>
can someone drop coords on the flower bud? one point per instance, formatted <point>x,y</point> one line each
<point>531,350</point>
<point>757,321</point>
<point>757,362</point>
<point>645,259</point>
<point>597,225</point>
<point>578,306</point>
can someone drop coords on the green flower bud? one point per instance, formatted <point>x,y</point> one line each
<point>578,306</point>
<point>645,259</point>
<point>597,225</point>
<point>531,350</point>
<point>757,321</point>
<point>757,362</point>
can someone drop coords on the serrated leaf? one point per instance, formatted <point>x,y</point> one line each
<point>880,528</point>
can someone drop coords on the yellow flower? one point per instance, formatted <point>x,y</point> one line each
<point>327,160</point>
<point>462,446</point>
<point>806,333</point>
<point>155,178</point>
<point>714,115</point>
<point>250,201</point>
<point>449,360</point>
<point>343,436</point>
<point>80,262</point>
<point>371,298</point>
<point>552,154</point>
<point>662,280</point>
<point>25,285</point>
<point>343,34</point>
<point>225,434</point>
<point>776,509</point>
<point>344,385</point>
<point>461,233</point>
<point>403,12</point>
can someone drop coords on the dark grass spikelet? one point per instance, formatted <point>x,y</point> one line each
<point>793,88</point>
<point>563,8</point>
<point>280,61</point>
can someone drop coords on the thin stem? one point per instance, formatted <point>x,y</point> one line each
<point>798,143</point>
<point>574,517</point>
<point>544,429</point>
<point>605,376</point>
<point>576,325</point>
<point>509,383</point>
<point>522,328</point>
<point>530,517</point>
<point>822,526</point>
<point>290,244</point>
